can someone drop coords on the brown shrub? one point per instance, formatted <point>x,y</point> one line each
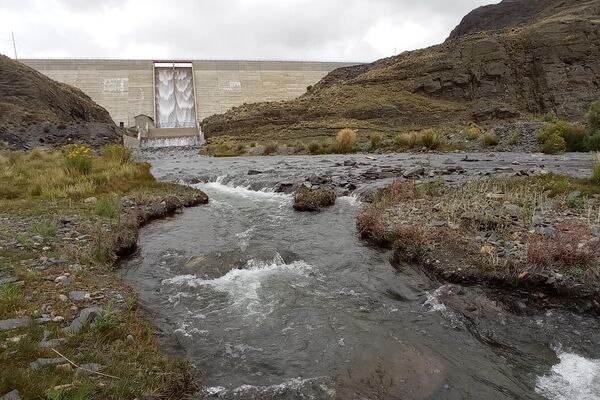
<point>566,249</point>
<point>395,193</point>
<point>371,225</point>
<point>411,242</point>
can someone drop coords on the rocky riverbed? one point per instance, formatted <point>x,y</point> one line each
<point>269,303</point>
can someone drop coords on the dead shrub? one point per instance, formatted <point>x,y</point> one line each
<point>371,225</point>
<point>564,250</point>
<point>411,242</point>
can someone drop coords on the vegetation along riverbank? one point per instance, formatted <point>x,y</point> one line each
<point>540,234</point>
<point>69,326</point>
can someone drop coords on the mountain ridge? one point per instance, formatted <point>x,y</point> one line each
<point>551,64</point>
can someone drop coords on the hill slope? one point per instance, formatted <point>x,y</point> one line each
<point>36,110</point>
<point>551,63</point>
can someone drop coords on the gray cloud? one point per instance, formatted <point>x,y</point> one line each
<point>357,30</point>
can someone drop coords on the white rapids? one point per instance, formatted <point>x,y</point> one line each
<point>574,377</point>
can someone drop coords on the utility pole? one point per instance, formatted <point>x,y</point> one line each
<point>14,45</point>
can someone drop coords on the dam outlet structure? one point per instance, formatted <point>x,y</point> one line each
<point>163,101</point>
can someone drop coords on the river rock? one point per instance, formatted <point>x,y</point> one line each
<point>310,199</point>
<point>415,172</point>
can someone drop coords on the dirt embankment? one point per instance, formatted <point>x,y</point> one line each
<point>36,111</point>
<point>549,64</point>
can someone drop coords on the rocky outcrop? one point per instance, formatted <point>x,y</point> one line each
<point>550,64</point>
<point>509,13</point>
<point>38,111</point>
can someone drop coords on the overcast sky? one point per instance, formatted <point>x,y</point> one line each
<point>336,30</point>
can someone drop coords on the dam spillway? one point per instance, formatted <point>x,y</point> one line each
<point>128,88</point>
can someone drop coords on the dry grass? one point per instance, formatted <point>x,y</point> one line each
<point>41,191</point>
<point>489,139</point>
<point>569,248</point>
<point>49,175</point>
<point>472,132</point>
<point>346,140</point>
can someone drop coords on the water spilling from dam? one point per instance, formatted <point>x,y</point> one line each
<point>186,141</point>
<point>268,303</point>
<point>175,100</point>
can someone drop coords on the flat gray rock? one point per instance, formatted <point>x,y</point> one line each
<point>13,395</point>
<point>51,343</point>
<point>14,323</point>
<point>42,362</point>
<point>86,315</point>
<point>77,295</point>
<point>5,281</point>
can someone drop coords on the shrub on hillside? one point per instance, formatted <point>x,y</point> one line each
<point>270,148</point>
<point>473,131</point>
<point>549,117</point>
<point>313,147</point>
<point>575,136</point>
<point>489,139</point>
<point>78,158</point>
<point>596,170</point>
<point>406,140</point>
<point>116,153</point>
<point>345,140</point>
<point>592,142</point>
<point>593,117</point>
<point>431,139</point>
<point>376,140</point>
<point>554,144</point>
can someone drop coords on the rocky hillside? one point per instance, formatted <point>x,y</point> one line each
<point>543,56</point>
<point>38,111</point>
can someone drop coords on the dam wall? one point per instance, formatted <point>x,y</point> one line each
<point>127,88</point>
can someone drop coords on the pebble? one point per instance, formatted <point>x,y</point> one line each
<point>62,279</point>
<point>63,298</point>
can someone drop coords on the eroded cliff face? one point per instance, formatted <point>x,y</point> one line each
<point>551,63</point>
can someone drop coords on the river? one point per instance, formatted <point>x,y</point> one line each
<point>268,303</point>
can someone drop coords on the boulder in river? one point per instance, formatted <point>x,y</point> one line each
<point>313,199</point>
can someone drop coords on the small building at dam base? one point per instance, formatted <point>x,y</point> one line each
<point>171,97</point>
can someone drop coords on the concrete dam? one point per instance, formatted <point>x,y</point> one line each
<point>169,98</point>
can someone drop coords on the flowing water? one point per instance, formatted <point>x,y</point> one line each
<point>268,303</point>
